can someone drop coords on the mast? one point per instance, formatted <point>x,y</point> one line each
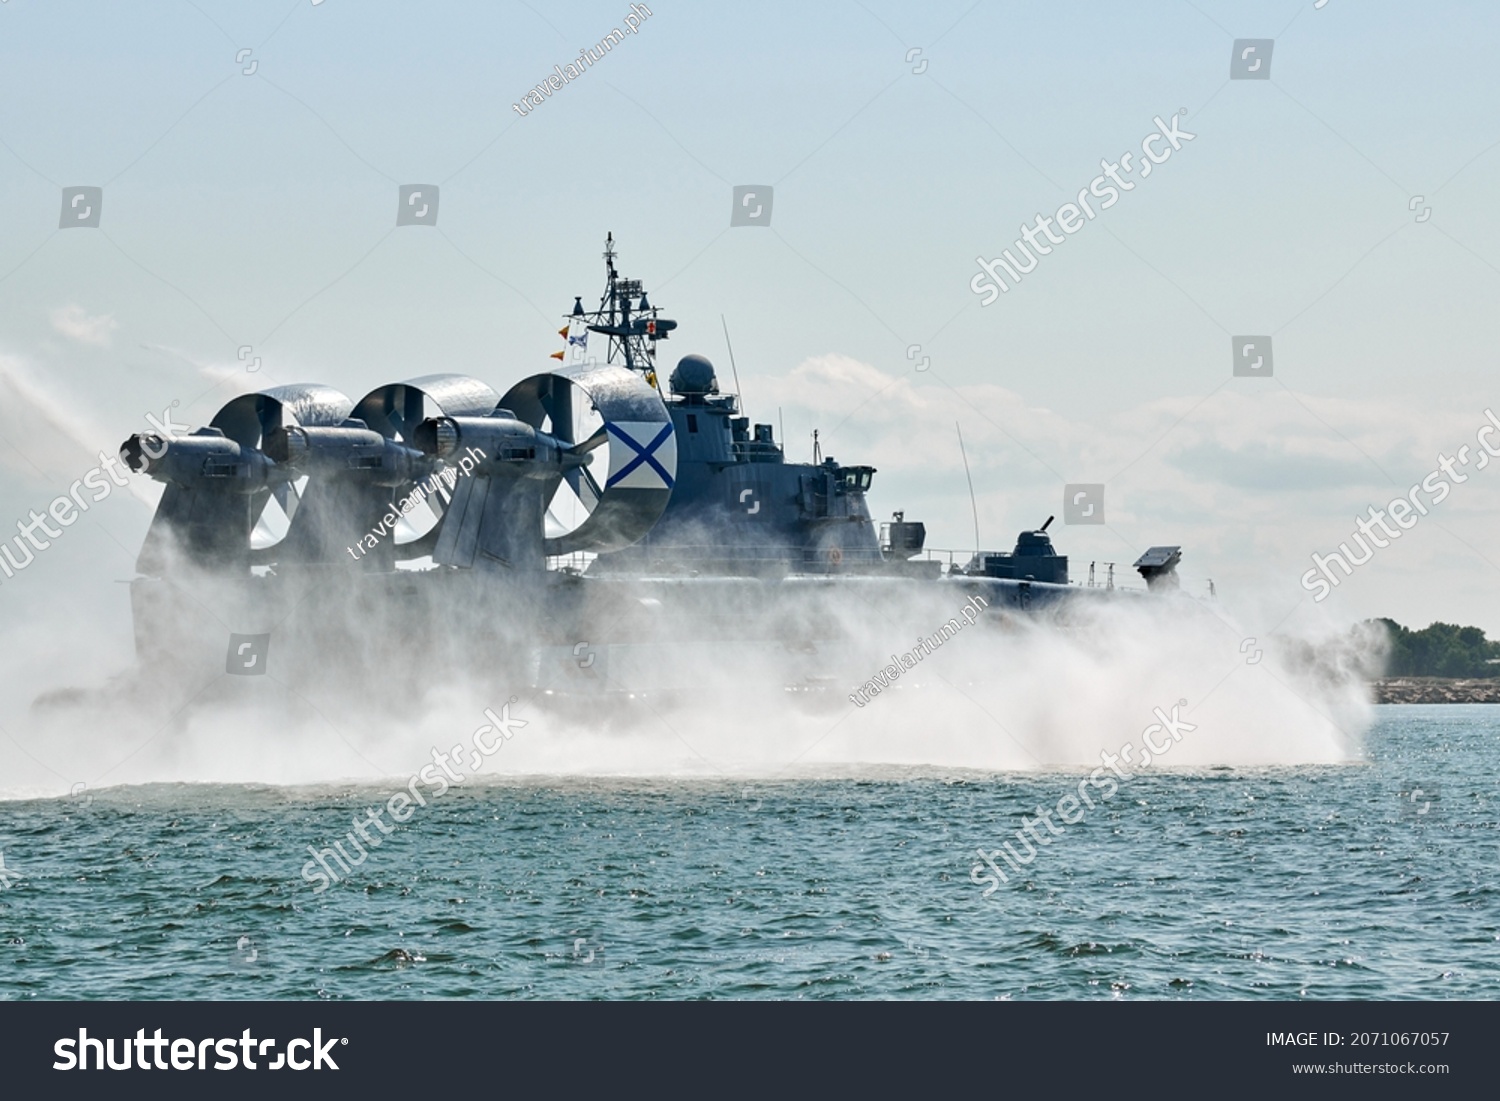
<point>626,317</point>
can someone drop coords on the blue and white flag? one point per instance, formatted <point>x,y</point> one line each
<point>642,455</point>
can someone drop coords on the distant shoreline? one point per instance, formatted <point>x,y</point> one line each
<point>1436,690</point>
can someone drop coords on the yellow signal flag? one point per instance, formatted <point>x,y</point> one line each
<point>651,378</point>
<point>563,332</point>
<point>557,355</point>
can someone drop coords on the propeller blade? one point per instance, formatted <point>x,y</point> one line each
<point>415,411</point>
<point>558,405</point>
<point>396,421</point>
<point>582,483</point>
<point>590,444</point>
<point>288,498</point>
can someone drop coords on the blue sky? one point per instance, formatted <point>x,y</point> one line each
<point>259,210</point>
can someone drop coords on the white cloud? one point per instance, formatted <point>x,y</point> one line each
<point>1251,479</point>
<point>74,322</point>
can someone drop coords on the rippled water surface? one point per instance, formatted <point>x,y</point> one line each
<point>1371,880</point>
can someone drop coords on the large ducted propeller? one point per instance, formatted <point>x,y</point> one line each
<point>363,470</point>
<point>219,479</point>
<point>615,416</point>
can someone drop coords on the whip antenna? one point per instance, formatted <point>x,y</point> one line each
<point>973,505</point>
<point>732,367</point>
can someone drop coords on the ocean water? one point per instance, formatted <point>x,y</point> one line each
<point>1371,879</point>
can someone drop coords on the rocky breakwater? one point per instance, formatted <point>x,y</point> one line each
<point>1436,690</point>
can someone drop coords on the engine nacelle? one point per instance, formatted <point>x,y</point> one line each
<point>348,448</point>
<point>205,454</point>
<point>500,438</point>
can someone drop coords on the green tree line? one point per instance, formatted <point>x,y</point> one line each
<point>1440,650</point>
